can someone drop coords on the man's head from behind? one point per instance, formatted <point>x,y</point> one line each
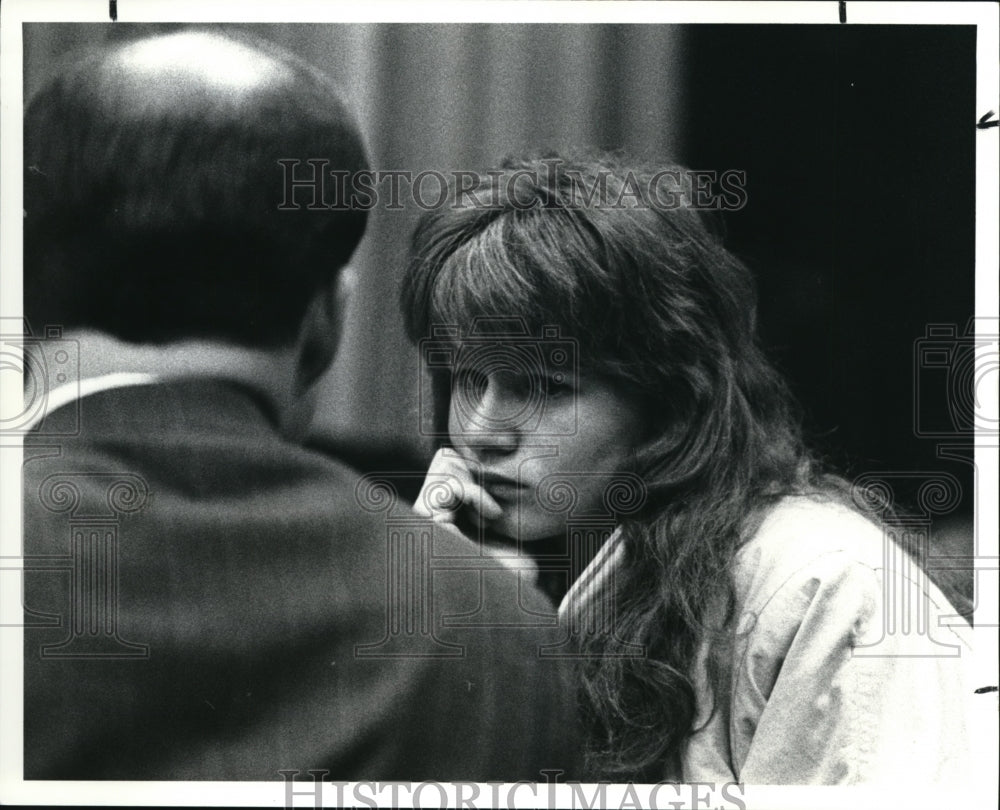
<point>152,192</point>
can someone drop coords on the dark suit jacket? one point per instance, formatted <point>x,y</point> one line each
<point>205,600</point>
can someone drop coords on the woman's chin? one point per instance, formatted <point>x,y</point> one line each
<point>511,530</point>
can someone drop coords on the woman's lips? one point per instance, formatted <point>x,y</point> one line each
<point>501,487</point>
<point>504,492</point>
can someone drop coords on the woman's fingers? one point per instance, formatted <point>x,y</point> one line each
<point>483,502</point>
<point>449,486</point>
<point>444,486</point>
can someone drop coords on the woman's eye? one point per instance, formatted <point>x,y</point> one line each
<point>520,385</point>
<point>470,382</point>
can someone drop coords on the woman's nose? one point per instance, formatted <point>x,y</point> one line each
<point>494,416</point>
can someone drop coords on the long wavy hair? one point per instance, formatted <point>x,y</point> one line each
<point>620,259</point>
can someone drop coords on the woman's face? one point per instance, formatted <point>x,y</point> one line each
<point>530,439</point>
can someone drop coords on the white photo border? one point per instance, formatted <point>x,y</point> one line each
<point>983,15</point>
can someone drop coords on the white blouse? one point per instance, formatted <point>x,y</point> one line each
<point>847,666</point>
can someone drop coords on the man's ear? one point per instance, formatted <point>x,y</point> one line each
<point>319,335</point>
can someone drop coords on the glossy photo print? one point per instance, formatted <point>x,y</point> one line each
<point>497,404</point>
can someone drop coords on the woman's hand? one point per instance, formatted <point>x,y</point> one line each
<point>450,493</point>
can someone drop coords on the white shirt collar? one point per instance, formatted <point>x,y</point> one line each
<point>594,576</point>
<point>70,392</point>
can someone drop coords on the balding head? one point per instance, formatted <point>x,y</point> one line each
<point>196,72</point>
<point>152,191</point>
<point>193,62</point>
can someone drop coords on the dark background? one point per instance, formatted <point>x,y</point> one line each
<point>858,147</point>
<point>858,143</point>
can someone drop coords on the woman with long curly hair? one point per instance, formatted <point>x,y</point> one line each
<point>587,330</point>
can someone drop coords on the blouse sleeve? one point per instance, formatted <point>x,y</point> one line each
<point>844,679</point>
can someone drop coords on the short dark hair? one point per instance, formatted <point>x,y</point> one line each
<point>152,209</point>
